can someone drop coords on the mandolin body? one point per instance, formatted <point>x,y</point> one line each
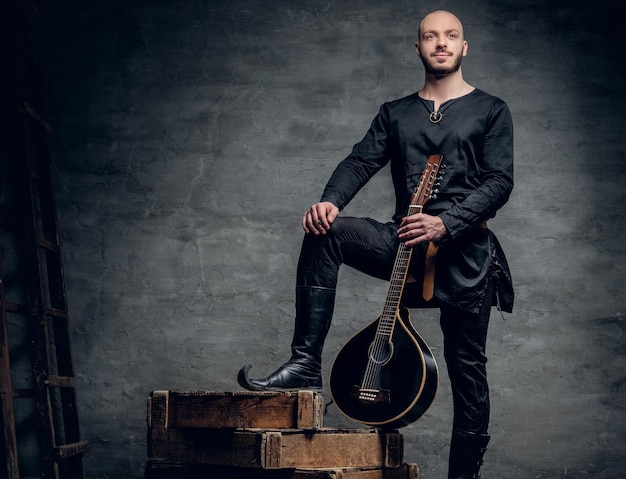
<point>398,389</point>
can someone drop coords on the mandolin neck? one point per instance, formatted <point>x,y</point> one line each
<point>425,189</point>
<point>398,276</point>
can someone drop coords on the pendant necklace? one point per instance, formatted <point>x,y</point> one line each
<point>435,116</point>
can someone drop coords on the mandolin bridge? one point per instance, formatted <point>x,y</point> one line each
<point>371,396</point>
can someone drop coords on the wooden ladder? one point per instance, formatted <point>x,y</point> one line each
<point>41,435</point>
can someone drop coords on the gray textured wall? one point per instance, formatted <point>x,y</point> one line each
<point>190,136</point>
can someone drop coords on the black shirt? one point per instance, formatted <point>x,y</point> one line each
<point>475,137</point>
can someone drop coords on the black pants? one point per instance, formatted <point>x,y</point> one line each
<point>370,247</point>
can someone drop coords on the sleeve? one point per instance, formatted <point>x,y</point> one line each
<point>366,159</point>
<point>495,177</point>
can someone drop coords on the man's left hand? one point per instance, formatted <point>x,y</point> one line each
<point>419,228</point>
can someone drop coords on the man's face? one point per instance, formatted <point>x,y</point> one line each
<point>441,46</point>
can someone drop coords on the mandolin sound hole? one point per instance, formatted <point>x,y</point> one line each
<point>380,354</point>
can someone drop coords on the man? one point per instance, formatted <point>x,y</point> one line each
<point>473,131</point>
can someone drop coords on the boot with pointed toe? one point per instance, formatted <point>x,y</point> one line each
<point>314,310</point>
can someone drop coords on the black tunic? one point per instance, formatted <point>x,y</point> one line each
<point>475,137</point>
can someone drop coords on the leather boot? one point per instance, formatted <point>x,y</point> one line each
<point>466,455</point>
<point>314,310</point>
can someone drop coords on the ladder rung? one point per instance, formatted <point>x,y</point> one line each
<point>73,449</point>
<point>23,310</point>
<point>23,393</point>
<point>49,245</point>
<point>61,382</point>
<point>12,307</point>
<point>52,381</point>
<point>37,117</point>
<point>57,313</point>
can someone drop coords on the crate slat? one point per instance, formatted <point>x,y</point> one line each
<point>278,449</point>
<point>241,409</point>
<point>172,470</point>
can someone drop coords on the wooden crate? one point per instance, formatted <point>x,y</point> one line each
<point>278,449</point>
<point>169,470</point>
<point>241,409</point>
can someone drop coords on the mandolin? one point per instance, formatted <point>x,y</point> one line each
<point>386,375</point>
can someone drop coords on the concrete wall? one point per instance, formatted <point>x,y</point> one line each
<point>190,136</point>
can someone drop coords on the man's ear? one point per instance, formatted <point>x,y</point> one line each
<point>465,47</point>
<point>417,48</point>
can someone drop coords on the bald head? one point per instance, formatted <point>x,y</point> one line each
<point>440,17</point>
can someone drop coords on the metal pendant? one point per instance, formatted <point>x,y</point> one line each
<point>435,117</point>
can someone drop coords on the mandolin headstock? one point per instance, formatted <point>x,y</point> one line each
<point>427,187</point>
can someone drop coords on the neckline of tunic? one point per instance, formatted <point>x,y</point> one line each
<point>450,101</point>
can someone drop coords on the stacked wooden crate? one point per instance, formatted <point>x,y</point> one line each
<point>263,435</point>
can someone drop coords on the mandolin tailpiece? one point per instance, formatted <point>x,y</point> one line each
<point>370,396</point>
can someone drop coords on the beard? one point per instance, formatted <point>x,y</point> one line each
<point>438,70</point>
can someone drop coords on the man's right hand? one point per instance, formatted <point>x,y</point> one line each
<point>318,218</point>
